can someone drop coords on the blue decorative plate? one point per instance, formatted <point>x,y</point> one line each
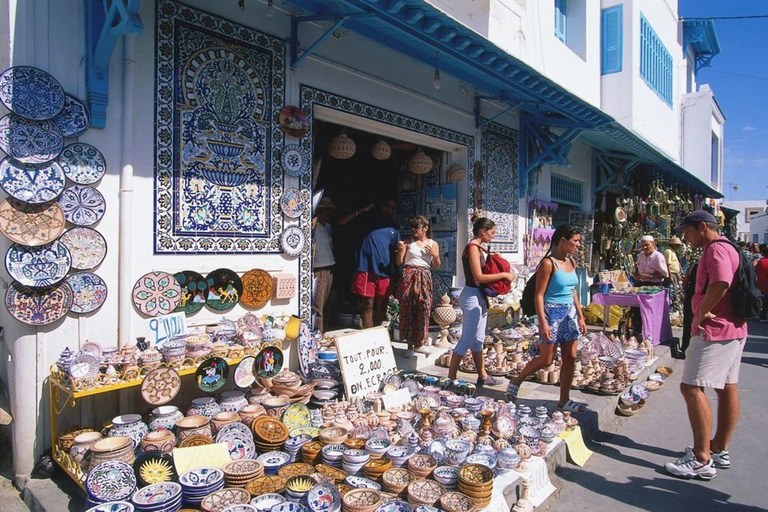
<point>239,440</point>
<point>39,266</point>
<point>295,160</point>
<point>30,142</point>
<point>111,480</point>
<point>32,183</point>
<point>324,497</point>
<point>90,292</point>
<point>292,240</point>
<point>39,306</point>
<point>112,506</point>
<point>83,163</point>
<point>292,203</point>
<point>75,119</point>
<point>82,205</point>
<point>31,92</point>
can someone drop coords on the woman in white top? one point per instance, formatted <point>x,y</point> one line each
<point>414,290</point>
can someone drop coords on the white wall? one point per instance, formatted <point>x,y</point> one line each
<point>759,227</point>
<point>744,227</point>
<point>701,118</point>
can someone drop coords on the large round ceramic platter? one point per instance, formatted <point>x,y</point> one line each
<point>295,160</point>
<point>111,481</point>
<point>293,121</point>
<point>269,362</point>
<point>224,289</point>
<point>239,439</point>
<point>194,291</point>
<point>83,163</point>
<point>31,224</point>
<point>164,496</point>
<point>307,349</point>
<point>244,373</point>
<point>154,467</point>
<point>296,416</point>
<point>84,366</point>
<point>30,142</point>
<point>40,266</point>
<point>75,119</point>
<point>87,247</point>
<point>90,292</point>
<point>212,374</point>
<point>258,287</point>
<point>292,203</point>
<point>82,205</point>
<point>31,93</point>
<point>32,183</point>
<point>156,293</point>
<point>292,240</point>
<point>160,386</point>
<point>38,306</point>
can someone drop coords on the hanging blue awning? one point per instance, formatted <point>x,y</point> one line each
<point>701,35</point>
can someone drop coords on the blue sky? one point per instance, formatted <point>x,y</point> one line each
<point>743,99</point>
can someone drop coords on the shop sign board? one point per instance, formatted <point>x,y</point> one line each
<point>365,358</point>
<point>162,328</point>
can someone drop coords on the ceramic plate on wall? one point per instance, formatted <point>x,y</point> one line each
<point>292,203</point>
<point>32,183</point>
<point>293,121</point>
<point>224,289</point>
<point>75,119</point>
<point>194,291</point>
<point>30,142</point>
<point>82,205</point>
<point>38,306</point>
<point>90,292</point>
<point>40,266</point>
<point>86,246</point>
<point>244,373</point>
<point>31,224</point>
<point>258,287</point>
<point>83,163</point>
<point>156,293</point>
<point>212,374</point>
<point>269,362</point>
<point>295,160</point>
<point>31,93</point>
<point>160,386</point>
<point>292,240</point>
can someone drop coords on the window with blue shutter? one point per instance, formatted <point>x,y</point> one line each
<point>611,40</point>
<point>560,19</point>
<point>656,67</point>
<point>565,190</point>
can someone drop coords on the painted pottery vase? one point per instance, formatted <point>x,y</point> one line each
<point>204,406</point>
<point>82,445</point>
<point>165,416</point>
<point>129,425</point>
<point>232,401</point>
<point>161,440</point>
<point>192,425</point>
<point>224,418</point>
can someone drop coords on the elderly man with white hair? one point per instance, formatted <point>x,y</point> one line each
<point>651,265</point>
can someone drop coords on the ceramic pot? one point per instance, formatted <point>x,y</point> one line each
<point>129,425</point>
<point>292,327</point>
<point>165,416</point>
<point>276,405</point>
<point>224,418</point>
<point>250,413</point>
<point>192,425</point>
<point>232,401</point>
<point>205,406</point>
<point>162,440</point>
<point>82,445</point>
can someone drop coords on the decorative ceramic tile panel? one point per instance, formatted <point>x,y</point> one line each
<point>408,206</point>
<point>448,251</point>
<point>441,206</point>
<point>218,179</point>
<point>441,284</point>
<point>499,150</point>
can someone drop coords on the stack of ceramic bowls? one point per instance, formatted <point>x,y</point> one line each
<point>333,435</point>
<point>112,506</point>
<point>239,472</point>
<point>110,481</point>
<point>310,452</point>
<point>360,482</point>
<point>375,468</point>
<point>165,497</point>
<point>111,449</point>
<point>354,460</point>
<point>297,487</point>
<point>332,454</point>
<point>226,499</point>
<point>422,465</point>
<point>377,447</point>
<point>361,500</point>
<point>448,476</point>
<point>476,481</point>
<point>273,461</point>
<point>199,483</point>
<point>269,434</point>
<point>424,492</point>
<point>293,445</point>
<point>456,502</point>
<point>456,451</point>
<point>397,480</point>
<point>193,425</point>
<point>320,397</point>
<point>486,459</point>
<point>265,502</point>
<point>399,455</point>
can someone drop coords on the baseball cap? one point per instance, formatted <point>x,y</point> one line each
<point>695,218</point>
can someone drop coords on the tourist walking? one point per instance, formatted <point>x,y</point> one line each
<point>561,320</point>
<point>714,355</point>
<point>761,271</point>
<point>418,258</point>
<point>474,303</point>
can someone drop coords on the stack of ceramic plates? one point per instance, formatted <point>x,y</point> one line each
<point>110,481</point>
<point>360,482</point>
<point>239,472</point>
<point>376,467</point>
<point>331,472</point>
<point>266,484</point>
<point>112,506</point>
<point>293,445</point>
<point>424,492</point>
<point>199,483</point>
<point>297,487</point>
<point>332,454</point>
<point>165,497</point>
<point>310,452</point>
<point>476,481</point>
<point>273,461</point>
<point>397,480</point>
<point>269,434</point>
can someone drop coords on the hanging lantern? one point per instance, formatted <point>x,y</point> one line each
<point>381,150</point>
<point>341,147</point>
<point>456,173</point>
<point>293,121</point>
<point>420,163</point>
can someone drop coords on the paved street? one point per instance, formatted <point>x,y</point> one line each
<point>626,472</point>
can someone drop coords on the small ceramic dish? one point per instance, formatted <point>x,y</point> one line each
<point>660,377</point>
<point>359,482</point>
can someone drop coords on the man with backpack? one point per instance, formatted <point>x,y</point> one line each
<point>722,299</point>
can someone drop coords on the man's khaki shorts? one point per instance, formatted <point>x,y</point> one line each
<point>712,364</point>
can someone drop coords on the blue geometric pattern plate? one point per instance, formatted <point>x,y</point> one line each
<point>30,142</point>
<point>295,160</point>
<point>75,119</point>
<point>31,92</point>
<point>90,292</point>
<point>40,266</point>
<point>292,240</point>
<point>32,183</point>
<point>82,205</point>
<point>110,480</point>
<point>83,163</point>
<point>112,506</point>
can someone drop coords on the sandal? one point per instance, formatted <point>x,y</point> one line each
<point>488,381</point>
<point>574,407</point>
<point>512,391</point>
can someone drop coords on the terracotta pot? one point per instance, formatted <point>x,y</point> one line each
<point>251,412</point>
<point>276,405</point>
<point>82,445</point>
<point>224,418</point>
<point>191,425</point>
<point>162,440</point>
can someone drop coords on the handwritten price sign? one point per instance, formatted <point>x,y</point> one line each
<point>161,328</point>
<point>365,358</point>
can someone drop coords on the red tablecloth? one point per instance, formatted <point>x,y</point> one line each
<point>654,310</point>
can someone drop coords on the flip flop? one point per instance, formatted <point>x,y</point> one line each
<point>489,381</point>
<point>574,407</point>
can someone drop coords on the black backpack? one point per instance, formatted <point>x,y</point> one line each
<point>746,297</point>
<point>527,303</point>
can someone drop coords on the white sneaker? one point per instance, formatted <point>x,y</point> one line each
<point>691,468</point>
<point>722,459</point>
<point>409,354</point>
